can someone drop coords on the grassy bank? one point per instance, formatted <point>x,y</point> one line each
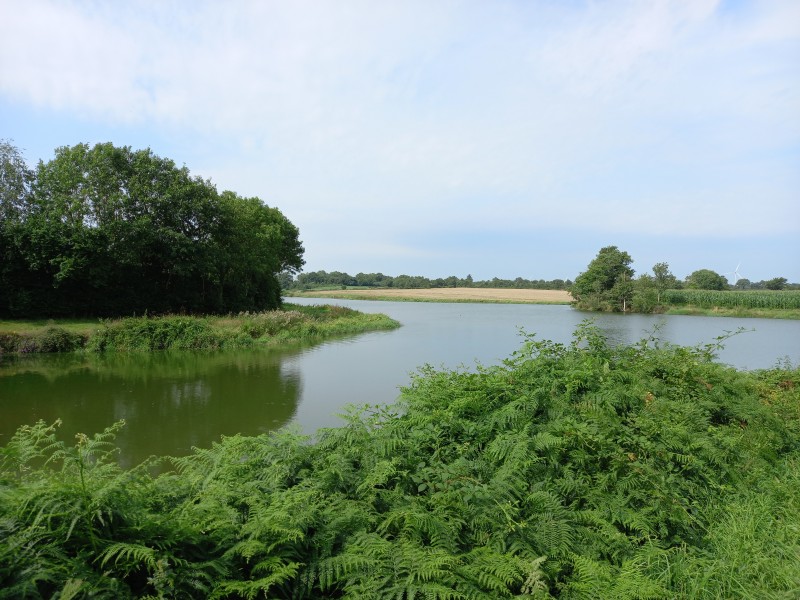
<point>742,312</point>
<point>570,471</point>
<point>144,334</point>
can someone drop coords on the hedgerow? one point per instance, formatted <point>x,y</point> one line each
<point>582,470</point>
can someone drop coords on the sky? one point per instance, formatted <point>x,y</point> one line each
<point>491,138</point>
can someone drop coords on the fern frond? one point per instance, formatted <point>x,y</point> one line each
<point>131,555</point>
<point>253,588</point>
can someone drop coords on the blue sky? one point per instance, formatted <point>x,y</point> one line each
<point>487,138</point>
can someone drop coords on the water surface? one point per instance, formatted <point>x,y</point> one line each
<point>173,401</point>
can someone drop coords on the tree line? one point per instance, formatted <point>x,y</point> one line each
<point>608,284</point>
<point>315,279</point>
<point>108,231</point>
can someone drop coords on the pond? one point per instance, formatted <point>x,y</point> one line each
<point>174,401</point>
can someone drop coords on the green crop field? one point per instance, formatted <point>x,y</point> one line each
<point>789,299</point>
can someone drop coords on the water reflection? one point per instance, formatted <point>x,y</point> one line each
<point>170,401</point>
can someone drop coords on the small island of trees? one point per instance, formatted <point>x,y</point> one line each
<point>608,284</point>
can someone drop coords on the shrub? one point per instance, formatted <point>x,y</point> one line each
<point>51,339</point>
<point>9,342</point>
<point>58,339</point>
<point>269,323</point>
<point>158,333</point>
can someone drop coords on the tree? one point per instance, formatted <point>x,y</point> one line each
<point>646,294</point>
<point>256,243</point>
<point>663,279</point>
<point>622,292</point>
<point>776,283</point>
<point>15,188</point>
<point>706,279</point>
<point>116,231</point>
<point>111,231</point>
<point>606,284</point>
<point>15,181</point>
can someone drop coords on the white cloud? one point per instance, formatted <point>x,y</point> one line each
<point>466,114</point>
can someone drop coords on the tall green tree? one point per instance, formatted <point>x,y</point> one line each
<point>15,188</point>
<point>706,279</point>
<point>15,181</point>
<point>663,279</point>
<point>607,282</point>
<point>109,231</point>
<point>256,243</point>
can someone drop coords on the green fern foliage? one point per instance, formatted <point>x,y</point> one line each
<point>580,470</point>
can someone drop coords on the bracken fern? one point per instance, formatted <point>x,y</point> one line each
<point>579,470</point>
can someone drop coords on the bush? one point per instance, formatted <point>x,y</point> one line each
<point>51,339</point>
<point>269,323</point>
<point>9,342</point>
<point>158,333</point>
<point>57,339</point>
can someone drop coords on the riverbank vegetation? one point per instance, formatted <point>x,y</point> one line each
<point>608,284</point>
<point>103,231</point>
<point>294,323</point>
<point>569,471</point>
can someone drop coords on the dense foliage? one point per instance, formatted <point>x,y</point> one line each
<point>786,299</point>
<point>706,279</point>
<point>174,332</point>
<point>608,284</point>
<point>109,231</point>
<point>570,471</point>
<point>317,279</point>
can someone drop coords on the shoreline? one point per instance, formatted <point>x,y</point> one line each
<point>470,295</point>
<point>524,296</point>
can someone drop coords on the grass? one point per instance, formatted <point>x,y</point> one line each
<point>176,332</point>
<point>79,326</point>
<point>739,312</point>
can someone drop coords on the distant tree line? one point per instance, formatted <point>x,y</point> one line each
<point>608,284</point>
<point>107,231</point>
<point>316,279</point>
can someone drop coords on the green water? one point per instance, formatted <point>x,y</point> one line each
<point>169,401</point>
<point>173,401</point>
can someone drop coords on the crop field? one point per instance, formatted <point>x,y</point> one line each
<point>789,299</point>
<point>523,296</point>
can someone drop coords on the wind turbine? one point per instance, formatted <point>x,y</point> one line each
<point>736,275</point>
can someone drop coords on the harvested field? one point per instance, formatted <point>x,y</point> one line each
<point>450,295</point>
